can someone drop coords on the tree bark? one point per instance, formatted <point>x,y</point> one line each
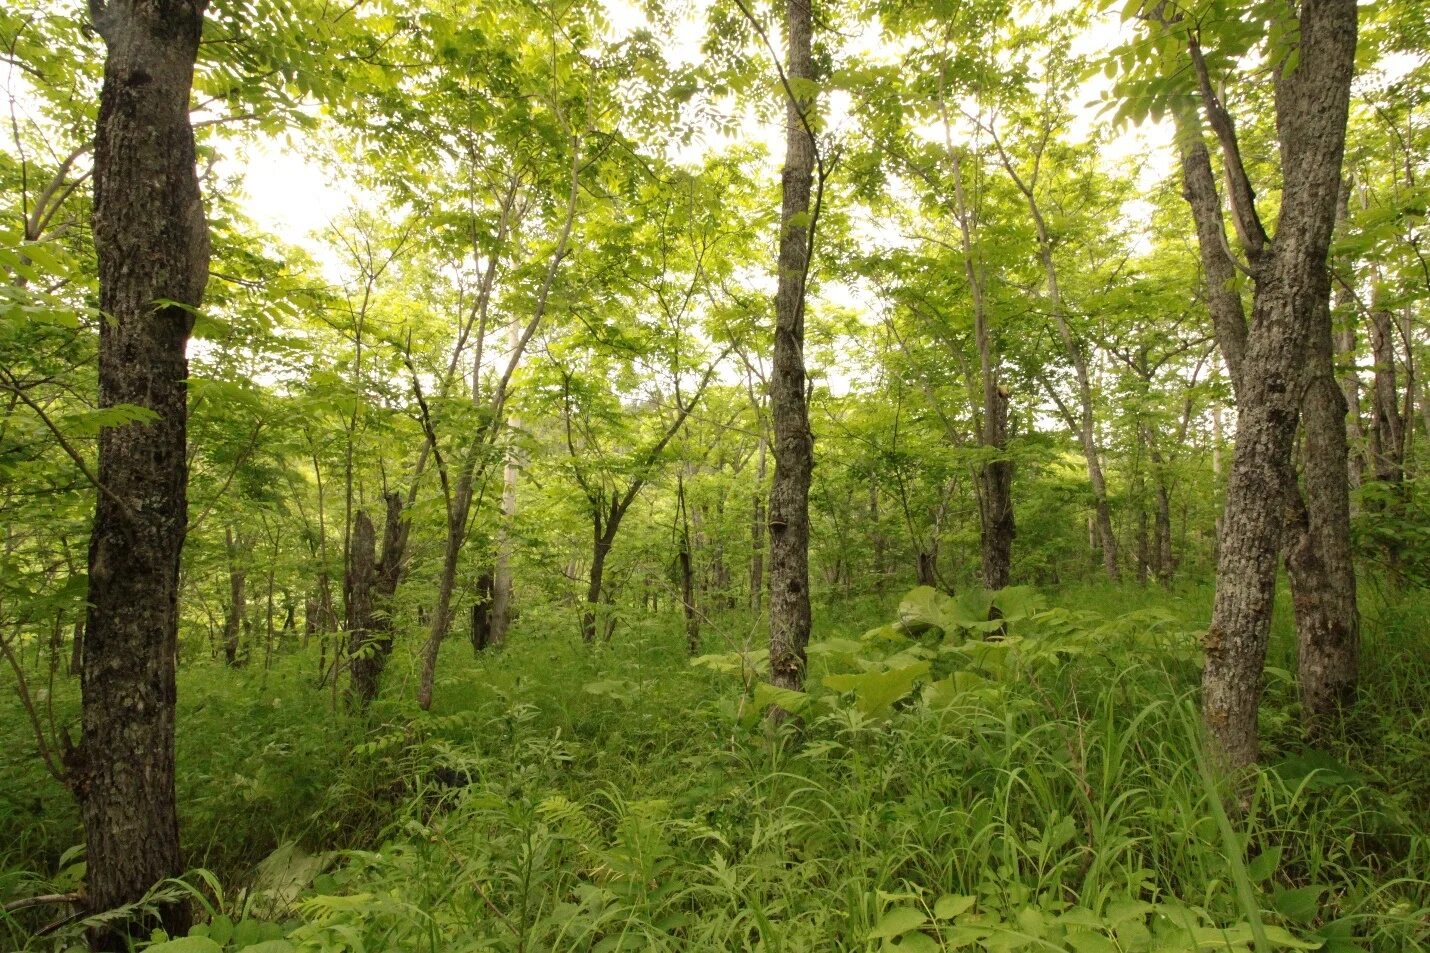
<point>1387,436</point>
<point>1318,558</point>
<point>757,535</point>
<point>793,440</point>
<point>1292,285</point>
<point>237,602</point>
<point>481,633</point>
<point>371,584</point>
<point>152,244</point>
<point>995,499</point>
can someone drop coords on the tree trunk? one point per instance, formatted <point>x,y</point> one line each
<point>1292,287</point>
<point>237,602</point>
<point>794,442</point>
<point>481,634</point>
<point>757,536</point>
<point>995,499</point>
<point>927,571</point>
<point>1387,436</point>
<point>503,589</point>
<point>600,549</point>
<point>687,594</point>
<point>152,244</point>
<point>370,588</point>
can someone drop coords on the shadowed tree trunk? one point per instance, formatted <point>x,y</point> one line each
<point>793,441</point>
<point>372,582</point>
<point>481,628</point>
<point>152,244</point>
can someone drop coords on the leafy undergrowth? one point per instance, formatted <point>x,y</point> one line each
<point>1038,787</point>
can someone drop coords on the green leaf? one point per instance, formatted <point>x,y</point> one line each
<point>1283,939</point>
<point>1299,905</point>
<point>913,943</point>
<point>1264,864</point>
<point>186,944</point>
<point>1091,943</point>
<point>951,905</point>
<point>897,922</point>
<point>876,691</point>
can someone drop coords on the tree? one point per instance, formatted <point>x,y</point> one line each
<point>789,410</point>
<point>151,239</point>
<point>1289,332</point>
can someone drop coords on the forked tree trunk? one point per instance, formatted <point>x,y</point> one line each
<point>793,441</point>
<point>1292,287</point>
<point>152,243</point>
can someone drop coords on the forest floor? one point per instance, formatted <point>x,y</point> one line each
<point>1046,794</point>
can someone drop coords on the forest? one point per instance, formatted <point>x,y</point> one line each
<point>715,475</point>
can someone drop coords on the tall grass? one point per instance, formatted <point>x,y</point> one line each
<point>567,798</point>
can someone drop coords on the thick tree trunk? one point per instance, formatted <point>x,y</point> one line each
<point>152,243</point>
<point>1292,289</point>
<point>794,442</point>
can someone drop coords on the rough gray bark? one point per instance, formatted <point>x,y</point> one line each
<point>793,440</point>
<point>1318,557</point>
<point>152,244</point>
<point>1291,287</point>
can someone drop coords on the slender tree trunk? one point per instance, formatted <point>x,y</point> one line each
<point>237,602</point>
<point>757,535</point>
<point>995,477</point>
<point>152,243</point>
<point>481,634</point>
<point>995,498</point>
<point>1387,437</point>
<point>600,549</point>
<point>794,442</point>
<point>503,588</point>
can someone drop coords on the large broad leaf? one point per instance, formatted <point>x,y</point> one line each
<point>925,607</point>
<point>874,692</point>
<point>1018,602</point>
<point>897,922</point>
<point>766,695</point>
